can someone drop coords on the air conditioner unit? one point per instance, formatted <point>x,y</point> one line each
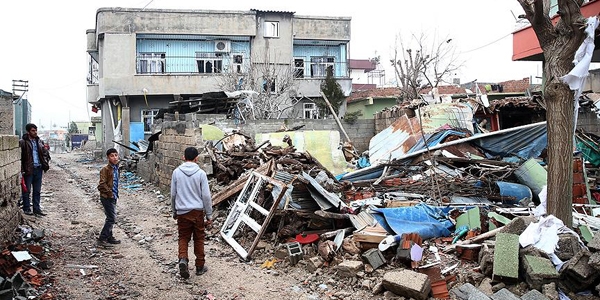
<point>222,46</point>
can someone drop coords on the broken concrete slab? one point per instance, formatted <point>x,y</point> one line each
<point>408,284</point>
<point>506,256</point>
<point>568,245</point>
<point>534,295</point>
<point>314,263</point>
<point>349,268</point>
<point>468,291</point>
<point>595,261</point>
<point>577,275</point>
<point>539,271</point>
<point>504,294</point>
<point>594,245</point>
<point>518,225</point>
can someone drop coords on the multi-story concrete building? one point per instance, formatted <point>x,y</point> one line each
<point>142,60</point>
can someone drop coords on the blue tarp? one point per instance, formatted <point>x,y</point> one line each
<point>525,143</point>
<point>427,221</point>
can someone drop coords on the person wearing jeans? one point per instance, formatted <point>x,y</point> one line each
<point>33,166</point>
<point>192,205</point>
<point>109,193</point>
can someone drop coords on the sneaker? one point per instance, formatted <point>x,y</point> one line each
<point>104,244</point>
<point>113,241</point>
<point>28,212</point>
<point>40,213</point>
<point>183,268</point>
<point>201,270</point>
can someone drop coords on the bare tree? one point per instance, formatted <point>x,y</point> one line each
<point>418,65</point>
<point>559,43</point>
<point>272,83</point>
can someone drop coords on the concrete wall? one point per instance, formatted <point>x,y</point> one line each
<point>588,120</point>
<point>360,133</point>
<point>6,115</point>
<point>322,28</point>
<point>10,187</point>
<point>168,152</point>
<point>178,135</point>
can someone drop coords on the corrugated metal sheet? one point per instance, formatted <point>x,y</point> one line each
<point>403,135</point>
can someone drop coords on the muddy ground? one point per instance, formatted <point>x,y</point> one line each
<point>144,265</point>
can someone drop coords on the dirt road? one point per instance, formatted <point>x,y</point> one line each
<point>144,265</point>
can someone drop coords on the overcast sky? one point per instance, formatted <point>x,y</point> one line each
<point>44,42</point>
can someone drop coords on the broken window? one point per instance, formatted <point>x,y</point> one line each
<point>148,118</point>
<point>151,63</point>
<point>298,67</point>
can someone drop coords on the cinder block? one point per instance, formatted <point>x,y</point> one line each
<point>294,252</point>
<point>408,284</point>
<point>374,257</point>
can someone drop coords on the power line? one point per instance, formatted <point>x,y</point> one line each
<point>487,44</point>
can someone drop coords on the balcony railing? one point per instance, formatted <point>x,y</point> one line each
<point>215,63</point>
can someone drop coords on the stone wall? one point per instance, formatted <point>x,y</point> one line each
<point>6,114</point>
<point>10,187</point>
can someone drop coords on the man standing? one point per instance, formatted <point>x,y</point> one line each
<point>33,165</point>
<point>109,193</point>
<point>191,203</point>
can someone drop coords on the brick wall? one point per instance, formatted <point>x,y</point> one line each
<point>6,115</point>
<point>10,188</point>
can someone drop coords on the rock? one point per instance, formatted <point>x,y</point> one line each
<point>534,295</point>
<point>486,286</point>
<point>378,289</point>
<point>313,264</point>
<point>550,291</point>
<point>366,284</point>
<point>568,245</point>
<point>504,294</point>
<point>498,287</point>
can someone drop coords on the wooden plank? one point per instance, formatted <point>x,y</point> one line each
<point>238,185</point>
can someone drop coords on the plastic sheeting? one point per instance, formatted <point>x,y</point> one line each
<point>525,143</point>
<point>427,221</point>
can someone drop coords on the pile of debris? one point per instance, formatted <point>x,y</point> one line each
<point>22,267</point>
<point>436,203</point>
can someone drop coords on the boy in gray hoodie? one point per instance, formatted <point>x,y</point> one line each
<point>191,203</point>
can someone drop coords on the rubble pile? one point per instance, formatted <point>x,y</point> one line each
<point>23,267</point>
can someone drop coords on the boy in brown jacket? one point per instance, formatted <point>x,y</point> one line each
<point>109,193</point>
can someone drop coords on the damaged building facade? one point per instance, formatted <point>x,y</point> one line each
<point>141,61</point>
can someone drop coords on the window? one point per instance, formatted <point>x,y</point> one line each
<point>298,67</point>
<point>271,29</point>
<point>319,65</point>
<point>209,63</point>
<point>148,119</point>
<point>151,63</point>
<point>311,111</point>
<point>269,85</point>
<point>238,61</point>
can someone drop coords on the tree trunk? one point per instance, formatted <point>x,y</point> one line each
<point>560,117</point>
